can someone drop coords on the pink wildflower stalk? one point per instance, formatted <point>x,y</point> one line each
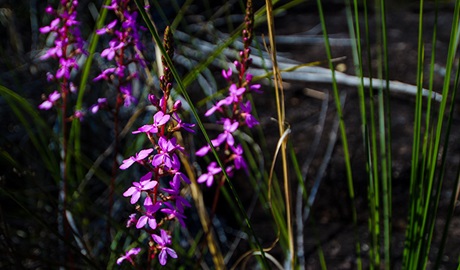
<point>165,204</point>
<point>124,55</point>
<point>234,110</point>
<point>66,49</point>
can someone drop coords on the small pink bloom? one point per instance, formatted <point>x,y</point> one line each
<point>52,98</point>
<point>143,185</point>
<point>130,254</point>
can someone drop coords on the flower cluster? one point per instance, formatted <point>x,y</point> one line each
<point>234,110</point>
<point>68,46</point>
<point>157,204</point>
<point>124,49</point>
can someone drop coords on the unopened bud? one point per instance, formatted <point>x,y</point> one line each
<point>154,100</point>
<point>177,105</point>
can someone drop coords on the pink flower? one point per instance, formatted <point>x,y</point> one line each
<point>238,157</point>
<point>165,156</point>
<point>227,136</point>
<point>162,241</point>
<point>101,103</point>
<point>148,217</point>
<point>111,51</point>
<point>65,67</point>
<point>130,254</point>
<point>143,185</point>
<point>52,27</point>
<point>139,157</point>
<point>250,120</point>
<point>131,221</point>
<point>107,28</point>
<point>227,74</point>
<point>52,98</point>
<point>208,177</point>
<point>159,119</point>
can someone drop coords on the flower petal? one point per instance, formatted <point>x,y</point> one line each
<point>141,222</point>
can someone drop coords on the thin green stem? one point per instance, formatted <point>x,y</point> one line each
<point>343,134</point>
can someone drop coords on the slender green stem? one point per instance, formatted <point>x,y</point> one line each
<point>349,174</point>
<point>385,141</point>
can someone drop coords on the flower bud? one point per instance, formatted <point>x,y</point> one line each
<point>237,65</point>
<point>154,100</point>
<point>49,10</point>
<point>249,77</point>
<point>177,105</point>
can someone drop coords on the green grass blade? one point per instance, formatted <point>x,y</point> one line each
<point>385,143</point>
<point>38,130</point>
<point>349,175</point>
<point>421,254</point>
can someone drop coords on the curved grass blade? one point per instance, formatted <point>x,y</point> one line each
<point>38,130</point>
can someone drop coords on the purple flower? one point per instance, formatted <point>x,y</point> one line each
<point>107,28</point>
<point>208,177</point>
<point>235,93</point>
<point>186,126</point>
<point>52,98</point>
<point>148,216</point>
<point>159,119</point>
<point>213,109</point>
<point>227,136</point>
<point>127,95</point>
<point>131,221</point>
<point>173,213</point>
<point>256,88</point>
<point>139,157</point>
<point>174,193</point>
<point>79,115</point>
<point>52,27</point>
<point>163,240</point>
<point>105,74</point>
<point>113,5</point>
<point>65,66</point>
<point>227,74</point>
<point>250,120</point>
<point>163,158</point>
<point>203,151</point>
<point>129,256</point>
<point>130,20</point>
<point>238,157</point>
<point>234,97</point>
<point>143,185</point>
<point>101,103</point>
<point>179,175</point>
<point>111,51</point>
<point>55,51</point>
